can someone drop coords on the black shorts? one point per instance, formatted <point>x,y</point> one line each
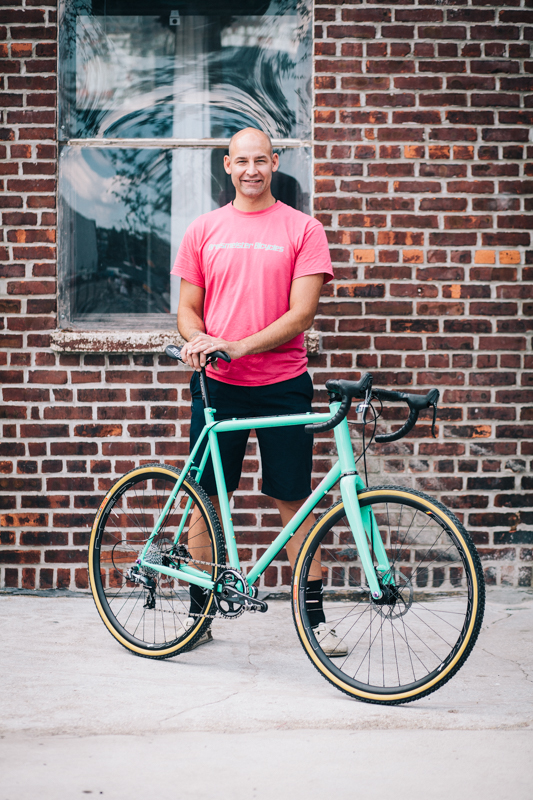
<point>286,453</point>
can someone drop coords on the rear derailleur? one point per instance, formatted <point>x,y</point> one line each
<point>145,576</point>
<point>136,576</point>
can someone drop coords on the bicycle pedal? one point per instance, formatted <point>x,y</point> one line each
<point>254,605</point>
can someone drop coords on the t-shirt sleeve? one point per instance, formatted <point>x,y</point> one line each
<point>187,264</point>
<point>314,256</point>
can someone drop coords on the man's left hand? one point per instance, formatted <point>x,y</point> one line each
<point>208,344</point>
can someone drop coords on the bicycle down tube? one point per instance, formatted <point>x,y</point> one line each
<point>363,529</point>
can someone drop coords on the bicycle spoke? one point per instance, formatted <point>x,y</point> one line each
<point>146,606</point>
<point>402,641</point>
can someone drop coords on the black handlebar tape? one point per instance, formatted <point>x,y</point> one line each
<point>347,390</point>
<point>404,430</point>
<point>350,388</point>
<point>175,352</point>
<point>416,403</point>
<point>219,354</point>
<point>320,427</point>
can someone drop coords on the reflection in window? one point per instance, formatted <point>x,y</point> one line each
<point>166,70</point>
<point>224,66</point>
<point>116,203</point>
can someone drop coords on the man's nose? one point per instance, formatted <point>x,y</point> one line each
<point>251,169</point>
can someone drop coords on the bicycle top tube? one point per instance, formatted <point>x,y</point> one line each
<point>342,391</point>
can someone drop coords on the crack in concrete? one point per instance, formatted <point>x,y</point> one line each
<point>202,705</point>
<point>511,661</point>
<point>509,613</point>
<point>487,625</point>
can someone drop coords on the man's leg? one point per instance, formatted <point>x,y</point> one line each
<point>287,510</point>
<point>326,637</point>
<point>199,547</point>
<point>198,537</point>
<point>313,592</point>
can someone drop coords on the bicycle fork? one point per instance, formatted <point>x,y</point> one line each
<point>362,521</point>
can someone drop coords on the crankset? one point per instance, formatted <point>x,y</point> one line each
<point>231,601</point>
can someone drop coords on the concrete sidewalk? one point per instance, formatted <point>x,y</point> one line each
<point>247,716</point>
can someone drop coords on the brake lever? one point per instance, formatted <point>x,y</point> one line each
<point>434,420</point>
<point>364,406</point>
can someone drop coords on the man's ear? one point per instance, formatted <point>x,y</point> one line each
<point>275,162</point>
<point>227,165</point>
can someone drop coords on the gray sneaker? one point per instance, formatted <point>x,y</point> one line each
<point>329,642</point>
<point>206,636</point>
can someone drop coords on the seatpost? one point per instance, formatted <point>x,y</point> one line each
<point>204,389</point>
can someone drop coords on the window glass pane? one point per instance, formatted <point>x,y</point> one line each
<point>116,231</point>
<point>123,216</point>
<point>185,70</point>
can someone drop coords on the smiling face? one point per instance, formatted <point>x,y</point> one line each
<point>251,164</point>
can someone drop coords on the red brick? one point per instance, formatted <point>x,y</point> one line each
<point>350,31</point>
<point>20,556</point>
<point>369,15</point>
<point>31,287</point>
<point>94,430</point>
<point>390,67</point>
<point>129,376</point>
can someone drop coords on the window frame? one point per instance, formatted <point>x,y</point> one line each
<point>130,323</point>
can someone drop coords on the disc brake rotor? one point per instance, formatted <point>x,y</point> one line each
<point>397,598</point>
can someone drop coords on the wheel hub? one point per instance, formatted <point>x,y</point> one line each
<point>397,597</point>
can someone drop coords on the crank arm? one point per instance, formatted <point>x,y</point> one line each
<point>234,596</point>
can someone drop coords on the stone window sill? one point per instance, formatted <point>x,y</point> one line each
<point>134,341</point>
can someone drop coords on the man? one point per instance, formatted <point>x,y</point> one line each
<point>251,275</point>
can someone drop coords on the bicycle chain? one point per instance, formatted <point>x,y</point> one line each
<point>204,616</point>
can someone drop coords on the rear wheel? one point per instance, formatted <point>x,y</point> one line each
<point>148,614</point>
<point>414,639</point>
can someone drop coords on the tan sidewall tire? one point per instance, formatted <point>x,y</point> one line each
<point>202,500</point>
<point>478,596</point>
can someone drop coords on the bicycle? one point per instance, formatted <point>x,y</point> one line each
<point>403,584</point>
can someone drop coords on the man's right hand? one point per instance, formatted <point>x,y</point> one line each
<point>193,359</point>
<point>196,351</point>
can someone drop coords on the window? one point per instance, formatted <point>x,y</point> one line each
<point>150,94</point>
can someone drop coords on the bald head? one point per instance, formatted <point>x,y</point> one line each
<point>250,164</point>
<point>252,135</point>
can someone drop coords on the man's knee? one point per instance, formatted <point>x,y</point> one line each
<point>290,505</point>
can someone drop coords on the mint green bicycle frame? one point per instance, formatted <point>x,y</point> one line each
<point>362,521</point>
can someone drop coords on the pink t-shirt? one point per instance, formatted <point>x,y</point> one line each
<point>246,263</point>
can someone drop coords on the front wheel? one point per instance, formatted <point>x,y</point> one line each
<point>419,634</point>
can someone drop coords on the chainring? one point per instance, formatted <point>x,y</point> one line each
<point>229,578</point>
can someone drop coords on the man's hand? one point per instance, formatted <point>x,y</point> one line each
<point>195,352</point>
<point>303,302</point>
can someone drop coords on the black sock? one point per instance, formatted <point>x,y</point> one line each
<point>313,603</point>
<point>197,600</point>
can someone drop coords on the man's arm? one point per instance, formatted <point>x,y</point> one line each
<point>191,318</point>
<point>303,303</point>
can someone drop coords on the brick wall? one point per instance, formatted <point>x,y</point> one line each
<point>423,184</point>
